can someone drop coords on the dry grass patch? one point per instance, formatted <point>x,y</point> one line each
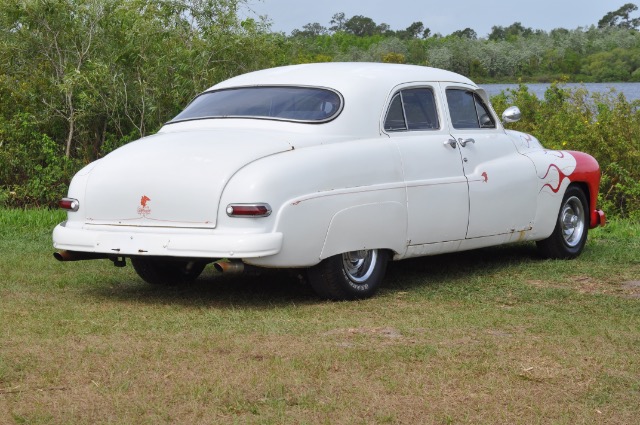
<point>589,285</point>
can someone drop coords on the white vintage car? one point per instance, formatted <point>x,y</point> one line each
<point>333,167</point>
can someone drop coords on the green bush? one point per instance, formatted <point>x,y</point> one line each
<point>33,168</point>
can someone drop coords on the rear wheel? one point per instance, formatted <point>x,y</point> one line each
<point>158,271</point>
<point>570,234</point>
<point>349,276</point>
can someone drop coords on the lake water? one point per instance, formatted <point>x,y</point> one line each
<point>631,90</point>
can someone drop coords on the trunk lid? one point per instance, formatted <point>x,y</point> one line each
<point>173,179</point>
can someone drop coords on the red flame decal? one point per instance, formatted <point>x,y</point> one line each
<point>560,174</point>
<point>558,154</point>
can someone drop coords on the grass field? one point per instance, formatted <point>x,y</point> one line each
<point>495,336</point>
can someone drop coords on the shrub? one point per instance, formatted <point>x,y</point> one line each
<point>33,168</point>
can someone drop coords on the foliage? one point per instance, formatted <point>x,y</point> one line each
<point>32,164</point>
<point>614,65</point>
<point>83,77</point>
<point>465,33</point>
<point>510,33</point>
<point>620,18</point>
<point>604,53</point>
<point>361,26</point>
<point>605,126</point>
<point>310,30</point>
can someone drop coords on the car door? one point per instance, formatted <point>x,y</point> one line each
<point>502,182</point>
<point>437,192</point>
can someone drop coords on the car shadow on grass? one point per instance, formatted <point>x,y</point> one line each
<point>267,288</point>
<point>273,287</point>
<point>457,269</point>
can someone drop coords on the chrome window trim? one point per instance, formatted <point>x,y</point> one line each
<point>404,113</point>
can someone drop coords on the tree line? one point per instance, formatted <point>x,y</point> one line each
<point>360,25</point>
<point>80,78</point>
<point>608,51</point>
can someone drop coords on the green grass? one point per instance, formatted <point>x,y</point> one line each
<point>489,336</point>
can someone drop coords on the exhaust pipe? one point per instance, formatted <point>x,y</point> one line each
<point>236,267</point>
<point>229,266</point>
<point>78,256</point>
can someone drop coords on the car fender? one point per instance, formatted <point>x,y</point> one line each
<point>588,172</point>
<point>552,169</point>
<point>370,226</point>
<point>308,190</point>
<point>556,171</point>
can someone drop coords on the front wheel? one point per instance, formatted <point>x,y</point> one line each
<point>349,276</point>
<point>158,271</point>
<point>570,234</point>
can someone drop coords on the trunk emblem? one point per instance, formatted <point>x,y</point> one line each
<point>143,209</point>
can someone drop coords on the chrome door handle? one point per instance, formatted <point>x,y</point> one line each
<point>463,143</point>
<point>451,142</point>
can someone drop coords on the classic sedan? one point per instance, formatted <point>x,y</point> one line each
<point>336,168</point>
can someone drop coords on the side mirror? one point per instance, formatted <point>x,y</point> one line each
<point>511,114</point>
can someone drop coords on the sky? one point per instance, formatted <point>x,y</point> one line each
<point>444,16</point>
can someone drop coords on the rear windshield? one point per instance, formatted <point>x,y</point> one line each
<point>306,104</point>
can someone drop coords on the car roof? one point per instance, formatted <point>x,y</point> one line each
<point>343,75</point>
<point>366,88</point>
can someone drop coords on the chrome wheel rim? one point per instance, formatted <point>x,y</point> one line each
<point>359,265</point>
<point>572,220</point>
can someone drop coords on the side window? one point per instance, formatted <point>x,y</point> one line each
<point>395,116</point>
<point>467,110</point>
<point>484,116</point>
<point>412,109</point>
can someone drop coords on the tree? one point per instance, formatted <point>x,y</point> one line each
<point>415,29</point>
<point>385,29</point>
<point>337,22</point>
<point>62,39</point>
<point>361,26</point>
<point>620,18</point>
<point>615,65</point>
<point>497,33</point>
<point>310,30</point>
<point>82,77</point>
<point>412,31</point>
<point>510,33</point>
<point>465,33</point>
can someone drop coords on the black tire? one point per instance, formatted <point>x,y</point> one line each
<point>349,276</point>
<point>570,234</point>
<point>157,271</point>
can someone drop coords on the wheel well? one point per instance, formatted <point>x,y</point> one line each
<point>585,189</point>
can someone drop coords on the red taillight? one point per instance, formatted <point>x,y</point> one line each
<point>69,204</point>
<point>248,210</point>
